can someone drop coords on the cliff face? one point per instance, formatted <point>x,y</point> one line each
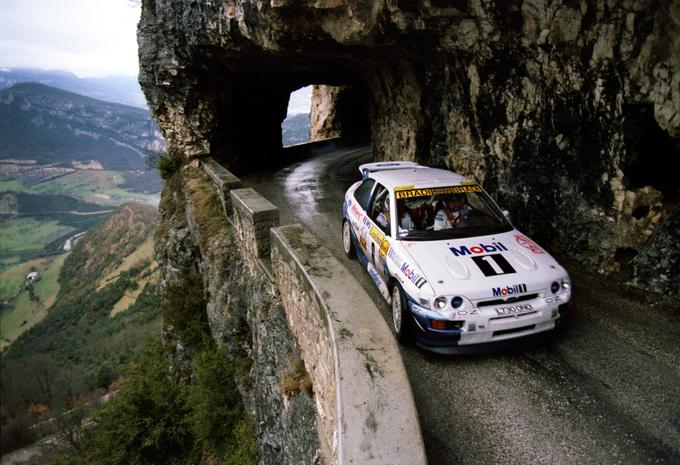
<point>568,111</point>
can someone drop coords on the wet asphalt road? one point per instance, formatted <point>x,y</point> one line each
<point>606,390</point>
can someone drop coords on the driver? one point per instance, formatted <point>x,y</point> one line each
<point>383,217</point>
<point>452,212</point>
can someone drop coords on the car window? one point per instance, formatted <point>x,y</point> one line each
<point>379,208</point>
<point>363,193</point>
<point>448,212</point>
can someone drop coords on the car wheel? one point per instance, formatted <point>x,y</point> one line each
<point>347,243</point>
<point>401,319</point>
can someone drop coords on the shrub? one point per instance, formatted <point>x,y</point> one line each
<point>156,419</point>
<point>167,165</point>
<point>146,422</point>
<point>218,419</point>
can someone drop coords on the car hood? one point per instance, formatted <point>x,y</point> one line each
<point>485,266</point>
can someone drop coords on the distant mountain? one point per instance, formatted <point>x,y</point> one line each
<point>295,129</point>
<point>119,89</point>
<point>49,125</point>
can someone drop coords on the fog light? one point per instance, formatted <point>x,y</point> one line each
<point>440,302</point>
<point>457,301</point>
<point>566,285</point>
<point>439,324</point>
<point>555,287</point>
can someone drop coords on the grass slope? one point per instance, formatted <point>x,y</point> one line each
<point>25,312</point>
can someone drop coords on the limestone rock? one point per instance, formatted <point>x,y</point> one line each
<point>561,108</point>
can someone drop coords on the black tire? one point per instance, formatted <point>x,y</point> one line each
<point>401,317</point>
<point>347,242</point>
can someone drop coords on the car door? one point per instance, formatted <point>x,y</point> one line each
<point>358,213</point>
<point>380,214</point>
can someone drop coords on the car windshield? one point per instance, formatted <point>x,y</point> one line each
<point>450,212</point>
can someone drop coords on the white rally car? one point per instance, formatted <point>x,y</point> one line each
<point>453,268</point>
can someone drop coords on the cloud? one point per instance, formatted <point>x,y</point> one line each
<point>90,38</point>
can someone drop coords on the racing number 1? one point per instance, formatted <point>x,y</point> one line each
<point>493,264</point>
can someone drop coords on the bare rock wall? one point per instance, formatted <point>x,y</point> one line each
<point>568,111</point>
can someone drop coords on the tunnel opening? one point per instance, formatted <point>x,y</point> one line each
<point>655,155</point>
<point>295,128</point>
<point>253,123</point>
<point>332,112</point>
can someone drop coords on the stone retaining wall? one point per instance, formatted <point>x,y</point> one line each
<point>365,408</point>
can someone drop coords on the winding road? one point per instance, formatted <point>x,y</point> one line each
<point>604,391</point>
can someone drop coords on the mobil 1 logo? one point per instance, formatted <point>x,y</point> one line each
<point>492,264</point>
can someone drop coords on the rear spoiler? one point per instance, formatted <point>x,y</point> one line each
<point>368,168</point>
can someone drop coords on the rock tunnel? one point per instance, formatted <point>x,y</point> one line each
<point>562,110</point>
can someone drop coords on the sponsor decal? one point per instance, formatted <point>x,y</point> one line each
<point>477,249</point>
<point>376,235</point>
<point>428,191</point>
<point>374,276</point>
<point>514,309</point>
<point>384,247</point>
<point>509,290</point>
<point>493,264</point>
<point>357,211</point>
<point>415,278</point>
<point>392,254</point>
<point>467,182</point>
<point>528,244</point>
<point>362,241</point>
<point>403,188</point>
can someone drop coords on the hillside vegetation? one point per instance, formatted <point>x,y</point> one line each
<point>79,348</point>
<point>50,125</point>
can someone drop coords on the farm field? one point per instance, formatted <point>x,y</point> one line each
<point>28,308</point>
<point>22,235</point>
<point>101,187</point>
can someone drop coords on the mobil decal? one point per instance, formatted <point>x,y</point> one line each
<point>477,249</point>
<point>528,243</point>
<point>509,290</point>
<point>411,275</point>
<point>384,247</point>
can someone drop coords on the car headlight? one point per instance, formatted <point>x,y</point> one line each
<point>566,285</point>
<point>457,301</point>
<point>555,287</point>
<point>440,302</point>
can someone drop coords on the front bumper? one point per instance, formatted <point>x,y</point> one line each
<point>486,327</point>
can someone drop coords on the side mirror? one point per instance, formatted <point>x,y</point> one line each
<point>507,215</point>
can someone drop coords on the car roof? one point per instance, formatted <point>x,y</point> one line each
<point>418,177</point>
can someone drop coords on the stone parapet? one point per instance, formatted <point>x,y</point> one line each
<point>253,217</point>
<point>364,404</point>
<point>223,180</point>
<point>366,410</point>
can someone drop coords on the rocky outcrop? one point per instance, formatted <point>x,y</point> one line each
<point>568,111</point>
<point>208,288</point>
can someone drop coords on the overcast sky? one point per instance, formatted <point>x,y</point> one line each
<point>87,37</point>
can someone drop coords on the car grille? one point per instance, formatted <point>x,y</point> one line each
<point>502,332</point>
<point>522,298</point>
